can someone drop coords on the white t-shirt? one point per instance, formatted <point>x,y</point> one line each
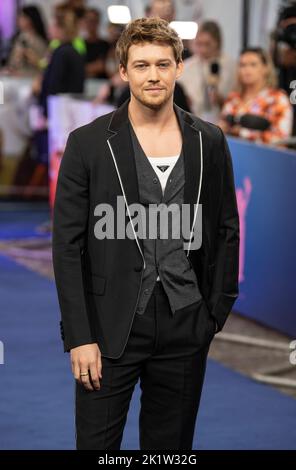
<point>163,167</point>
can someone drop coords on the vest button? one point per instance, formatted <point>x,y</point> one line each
<point>154,180</point>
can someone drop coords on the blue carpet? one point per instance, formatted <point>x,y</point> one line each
<point>20,220</point>
<point>37,390</point>
<point>240,414</point>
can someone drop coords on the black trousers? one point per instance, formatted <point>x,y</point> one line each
<point>168,354</point>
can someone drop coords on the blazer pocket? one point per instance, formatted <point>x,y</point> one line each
<point>95,284</point>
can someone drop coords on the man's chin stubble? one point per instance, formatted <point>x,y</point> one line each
<point>153,105</point>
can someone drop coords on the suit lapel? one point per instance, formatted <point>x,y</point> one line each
<point>122,151</point>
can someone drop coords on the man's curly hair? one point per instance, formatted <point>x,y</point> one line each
<point>153,29</point>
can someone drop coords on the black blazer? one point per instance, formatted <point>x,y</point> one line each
<point>98,281</point>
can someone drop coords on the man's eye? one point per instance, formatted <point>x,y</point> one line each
<point>140,66</point>
<point>163,65</point>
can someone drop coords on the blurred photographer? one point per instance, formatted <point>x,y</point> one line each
<point>283,49</point>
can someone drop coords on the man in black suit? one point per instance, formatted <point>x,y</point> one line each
<point>138,304</point>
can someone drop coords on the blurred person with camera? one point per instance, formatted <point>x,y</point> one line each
<point>209,74</point>
<point>283,50</point>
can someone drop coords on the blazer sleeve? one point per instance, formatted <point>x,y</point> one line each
<point>225,288</point>
<point>70,218</point>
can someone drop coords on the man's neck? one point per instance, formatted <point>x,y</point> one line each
<point>143,116</point>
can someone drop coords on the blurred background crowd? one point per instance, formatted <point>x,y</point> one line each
<point>69,48</point>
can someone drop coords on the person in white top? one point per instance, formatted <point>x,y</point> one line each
<point>209,75</point>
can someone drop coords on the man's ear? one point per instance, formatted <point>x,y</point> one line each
<point>180,67</point>
<point>123,73</point>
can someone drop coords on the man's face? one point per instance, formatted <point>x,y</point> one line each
<point>205,46</point>
<point>151,72</point>
<point>91,22</point>
<point>163,8</point>
<point>251,69</point>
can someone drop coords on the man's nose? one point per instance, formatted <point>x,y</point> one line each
<point>153,74</point>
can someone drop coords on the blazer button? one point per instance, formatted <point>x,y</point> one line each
<point>155,180</point>
<point>138,268</point>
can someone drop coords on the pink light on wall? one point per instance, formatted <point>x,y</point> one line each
<point>243,198</point>
<point>7,18</point>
